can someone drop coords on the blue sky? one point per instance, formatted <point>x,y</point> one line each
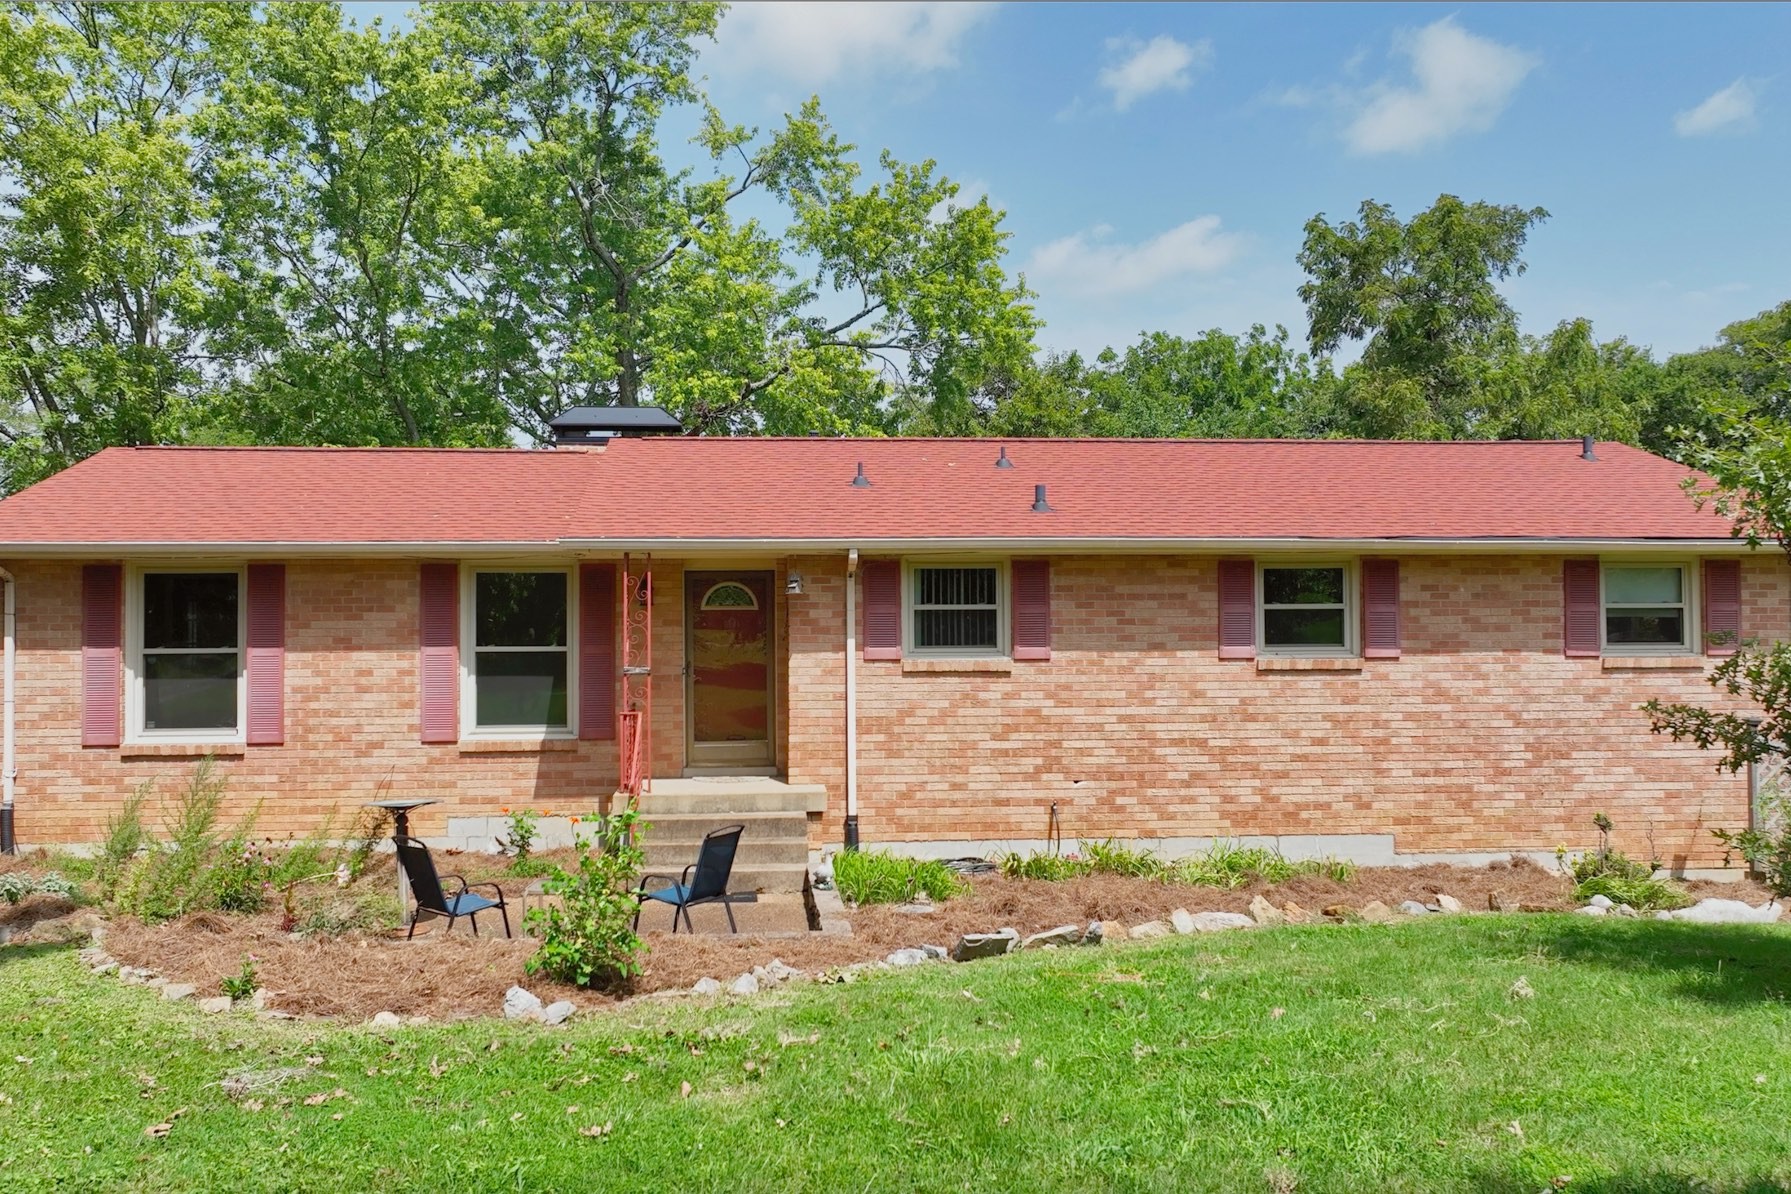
<point>1156,162</point>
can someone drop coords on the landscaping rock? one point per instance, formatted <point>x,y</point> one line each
<point>416,1021</point>
<point>216,1005</point>
<point>1218,922</point>
<point>261,998</point>
<point>984,945</point>
<point>1728,912</point>
<point>1448,903</point>
<point>1591,910</point>
<point>706,986</point>
<point>520,1004</point>
<point>1496,902</point>
<point>177,990</point>
<point>1061,935</point>
<point>1600,901</point>
<point>1340,912</point>
<point>558,1012</point>
<point>275,1014</point>
<point>1151,929</point>
<point>746,984</point>
<point>1413,908</point>
<point>935,953</point>
<point>1182,921</point>
<point>1624,910</point>
<point>386,1020</point>
<point>783,973</point>
<point>157,981</point>
<point>918,908</point>
<point>106,968</point>
<point>1295,914</point>
<point>1375,912</point>
<point>907,957</point>
<point>1265,913</point>
<point>1095,933</point>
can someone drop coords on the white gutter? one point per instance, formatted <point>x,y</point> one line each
<point>8,760</point>
<point>851,697</point>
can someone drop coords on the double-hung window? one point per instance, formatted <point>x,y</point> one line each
<point>1306,609</point>
<point>518,668</point>
<point>187,668</point>
<point>957,609</point>
<point>1647,608</point>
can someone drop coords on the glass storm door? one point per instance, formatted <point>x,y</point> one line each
<point>728,648</point>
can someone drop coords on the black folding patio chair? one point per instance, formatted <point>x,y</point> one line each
<point>431,900</point>
<point>709,884</point>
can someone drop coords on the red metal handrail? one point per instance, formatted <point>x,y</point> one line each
<point>629,741</point>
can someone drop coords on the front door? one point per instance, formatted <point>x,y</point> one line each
<point>728,647</point>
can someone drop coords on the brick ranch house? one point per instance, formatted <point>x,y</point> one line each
<point>1379,651</point>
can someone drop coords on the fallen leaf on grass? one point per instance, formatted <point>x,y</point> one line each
<point>813,1038</point>
<point>630,1076</point>
<point>157,1131</point>
<point>314,1061</point>
<point>252,1104</point>
<point>1277,1013</point>
<point>317,1100</point>
<point>684,1089</point>
<point>970,995</point>
<point>436,1069</point>
<point>1521,989</point>
<point>1515,1128</point>
<point>595,1130</point>
<point>22,1060</point>
<point>572,1110</point>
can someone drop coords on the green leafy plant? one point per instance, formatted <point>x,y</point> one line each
<point>242,984</point>
<point>1611,873</point>
<point>1766,847</point>
<point>125,838</point>
<point>1053,868</point>
<point>520,835</point>
<point>589,939</point>
<point>879,877</point>
<point>1225,865</point>
<point>15,886</point>
<point>369,830</point>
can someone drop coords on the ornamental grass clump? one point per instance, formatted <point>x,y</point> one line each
<point>1225,865</point>
<point>879,877</point>
<point>1612,874</point>
<point>589,940</point>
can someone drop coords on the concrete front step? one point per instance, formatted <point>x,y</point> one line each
<point>770,878</point>
<point>730,794</point>
<point>691,827</point>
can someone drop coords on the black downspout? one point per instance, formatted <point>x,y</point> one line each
<point>8,844</point>
<point>852,832</point>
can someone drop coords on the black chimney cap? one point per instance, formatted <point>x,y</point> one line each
<point>583,424</point>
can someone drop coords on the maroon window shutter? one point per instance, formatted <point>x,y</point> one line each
<point>1032,609</point>
<point>102,653</point>
<point>1722,606</point>
<point>1237,609</point>
<point>267,654</point>
<point>597,651</point>
<point>1380,609</point>
<point>882,609</point>
<point>1580,613</point>
<point>439,617</point>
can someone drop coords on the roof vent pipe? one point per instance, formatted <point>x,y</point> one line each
<point>1002,461</point>
<point>1039,505</point>
<point>1586,448</point>
<point>861,481</point>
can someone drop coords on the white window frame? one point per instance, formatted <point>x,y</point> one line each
<point>1351,611</point>
<point>1688,596</point>
<point>470,730</point>
<point>1003,607</point>
<point>135,704</point>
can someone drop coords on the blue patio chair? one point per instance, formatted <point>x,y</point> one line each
<point>709,884</point>
<point>431,900</point>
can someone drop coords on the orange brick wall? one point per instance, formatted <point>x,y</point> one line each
<point>1482,737</point>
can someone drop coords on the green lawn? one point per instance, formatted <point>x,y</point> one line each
<point>1653,1056</point>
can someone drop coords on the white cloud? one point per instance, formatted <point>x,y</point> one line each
<point>1730,110</point>
<point>1147,67</point>
<point>1459,83</point>
<point>1093,266</point>
<point>813,43</point>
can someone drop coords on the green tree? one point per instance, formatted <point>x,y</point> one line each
<point>1422,295</point>
<point>344,212</point>
<point>100,267</point>
<point>614,277</point>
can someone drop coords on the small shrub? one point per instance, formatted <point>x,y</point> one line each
<point>1051,868</point>
<point>1108,858</point>
<point>590,940</point>
<point>16,885</point>
<point>1645,894</point>
<point>519,838</point>
<point>242,984</point>
<point>879,877</point>
<point>125,837</point>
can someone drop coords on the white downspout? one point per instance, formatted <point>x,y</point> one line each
<point>851,697</point>
<point>8,761</point>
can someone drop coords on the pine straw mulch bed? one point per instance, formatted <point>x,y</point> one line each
<point>447,977</point>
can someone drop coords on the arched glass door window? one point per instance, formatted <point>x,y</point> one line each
<point>729,594</point>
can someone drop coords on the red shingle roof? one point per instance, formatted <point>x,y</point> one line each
<point>657,489</point>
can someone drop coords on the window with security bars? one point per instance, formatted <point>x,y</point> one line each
<point>956,610</point>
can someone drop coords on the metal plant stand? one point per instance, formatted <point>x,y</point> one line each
<point>400,810</point>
